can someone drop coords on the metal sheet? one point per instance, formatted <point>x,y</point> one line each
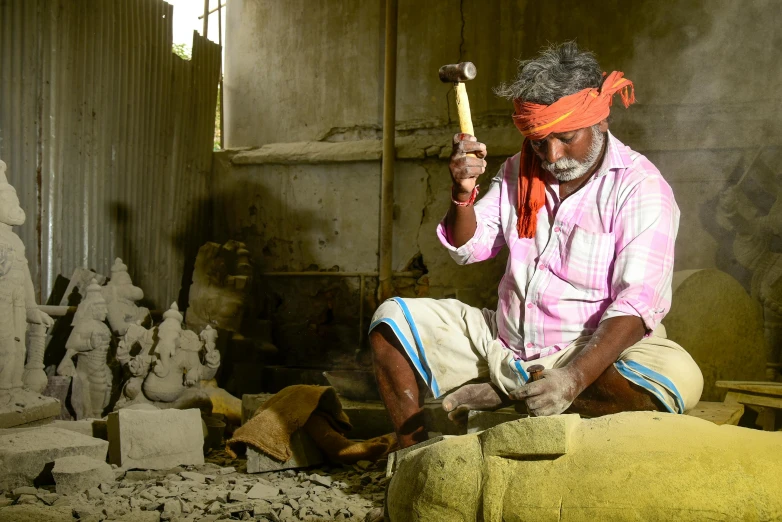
<point>108,137</point>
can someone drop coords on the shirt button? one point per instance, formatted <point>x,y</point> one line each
<point>542,267</point>
<point>556,229</point>
<point>530,345</point>
<point>529,305</point>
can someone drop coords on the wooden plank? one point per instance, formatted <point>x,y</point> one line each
<point>753,400</point>
<point>773,389</point>
<point>717,412</point>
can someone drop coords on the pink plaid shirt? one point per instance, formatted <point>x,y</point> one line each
<point>605,251</point>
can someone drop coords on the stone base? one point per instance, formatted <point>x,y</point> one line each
<point>27,453</point>
<point>304,454</point>
<point>21,407</point>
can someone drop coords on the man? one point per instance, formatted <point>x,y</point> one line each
<point>590,225</point>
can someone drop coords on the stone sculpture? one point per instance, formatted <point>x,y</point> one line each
<point>752,248</point>
<point>17,308</point>
<point>222,281</point>
<point>167,364</point>
<point>616,467</point>
<point>90,341</point>
<point>121,297</point>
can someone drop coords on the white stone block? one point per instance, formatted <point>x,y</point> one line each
<point>155,439</point>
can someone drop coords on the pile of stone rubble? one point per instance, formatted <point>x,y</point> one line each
<point>213,491</point>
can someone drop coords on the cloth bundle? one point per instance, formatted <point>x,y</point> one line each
<point>317,410</point>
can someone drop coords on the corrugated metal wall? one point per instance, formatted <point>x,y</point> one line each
<point>108,137</point>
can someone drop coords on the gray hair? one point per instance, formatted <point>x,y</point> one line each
<point>559,70</point>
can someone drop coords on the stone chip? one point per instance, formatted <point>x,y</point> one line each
<point>263,491</point>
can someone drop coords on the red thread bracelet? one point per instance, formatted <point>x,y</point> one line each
<point>470,201</point>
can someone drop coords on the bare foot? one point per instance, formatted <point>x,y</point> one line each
<point>482,396</point>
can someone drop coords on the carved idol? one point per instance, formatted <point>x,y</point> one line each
<point>89,341</point>
<point>17,295</point>
<point>17,308</point>
<point>121,297</point>
<point>166,363</point>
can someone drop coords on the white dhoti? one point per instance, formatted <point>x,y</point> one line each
<point>450,343</point>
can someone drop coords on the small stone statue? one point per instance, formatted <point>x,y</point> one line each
<point>121,297</point>
<point>17,309</point>
<point>169,363</point>
<point>90,341</point>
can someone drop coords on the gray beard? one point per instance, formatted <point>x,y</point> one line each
<point>575,169</point>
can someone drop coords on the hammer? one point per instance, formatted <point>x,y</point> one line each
<point>458,73</point>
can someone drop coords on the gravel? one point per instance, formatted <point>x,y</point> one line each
<point>221,490</point>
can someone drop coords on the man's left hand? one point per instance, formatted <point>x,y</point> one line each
<point>552,394</point>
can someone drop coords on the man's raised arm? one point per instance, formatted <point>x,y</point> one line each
<point>465,169</point>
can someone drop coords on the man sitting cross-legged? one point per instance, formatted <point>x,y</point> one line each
<point>590,225</point>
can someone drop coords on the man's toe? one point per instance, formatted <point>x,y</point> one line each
<point>459,415</point>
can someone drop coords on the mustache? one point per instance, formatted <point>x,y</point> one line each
<point>560,164</point>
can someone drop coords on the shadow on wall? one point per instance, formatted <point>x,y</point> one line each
<point>314,319</point>
<point>124,224</point>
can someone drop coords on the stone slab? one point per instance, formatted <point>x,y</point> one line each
<point>36,513</point>
<point>304,454</point>
<point>483,420</point>
<point>22,407</point>
<point>75,474</point>
<point>27,453</point>
<point>532,437</point>
<point>155,439</point>
<point>91,427</point>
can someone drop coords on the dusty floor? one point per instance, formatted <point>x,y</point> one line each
<point>218,490</point>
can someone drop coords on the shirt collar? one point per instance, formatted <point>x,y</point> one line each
<point>616,156</point>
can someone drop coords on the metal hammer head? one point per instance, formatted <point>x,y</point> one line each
<point>458,72</point>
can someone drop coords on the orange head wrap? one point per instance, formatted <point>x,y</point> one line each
<point>576,111</point>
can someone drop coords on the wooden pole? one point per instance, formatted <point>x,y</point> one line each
<point>386,286</point>
<point>220,41</point>
<point>206,19</point>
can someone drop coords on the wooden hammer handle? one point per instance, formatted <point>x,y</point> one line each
<point>463,106</point>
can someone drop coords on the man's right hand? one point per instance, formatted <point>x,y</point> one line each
<point>465,169</point>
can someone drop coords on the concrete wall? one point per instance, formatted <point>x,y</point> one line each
<point>706,74</point>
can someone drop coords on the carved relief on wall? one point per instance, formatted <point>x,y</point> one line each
<point>757,228</point>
